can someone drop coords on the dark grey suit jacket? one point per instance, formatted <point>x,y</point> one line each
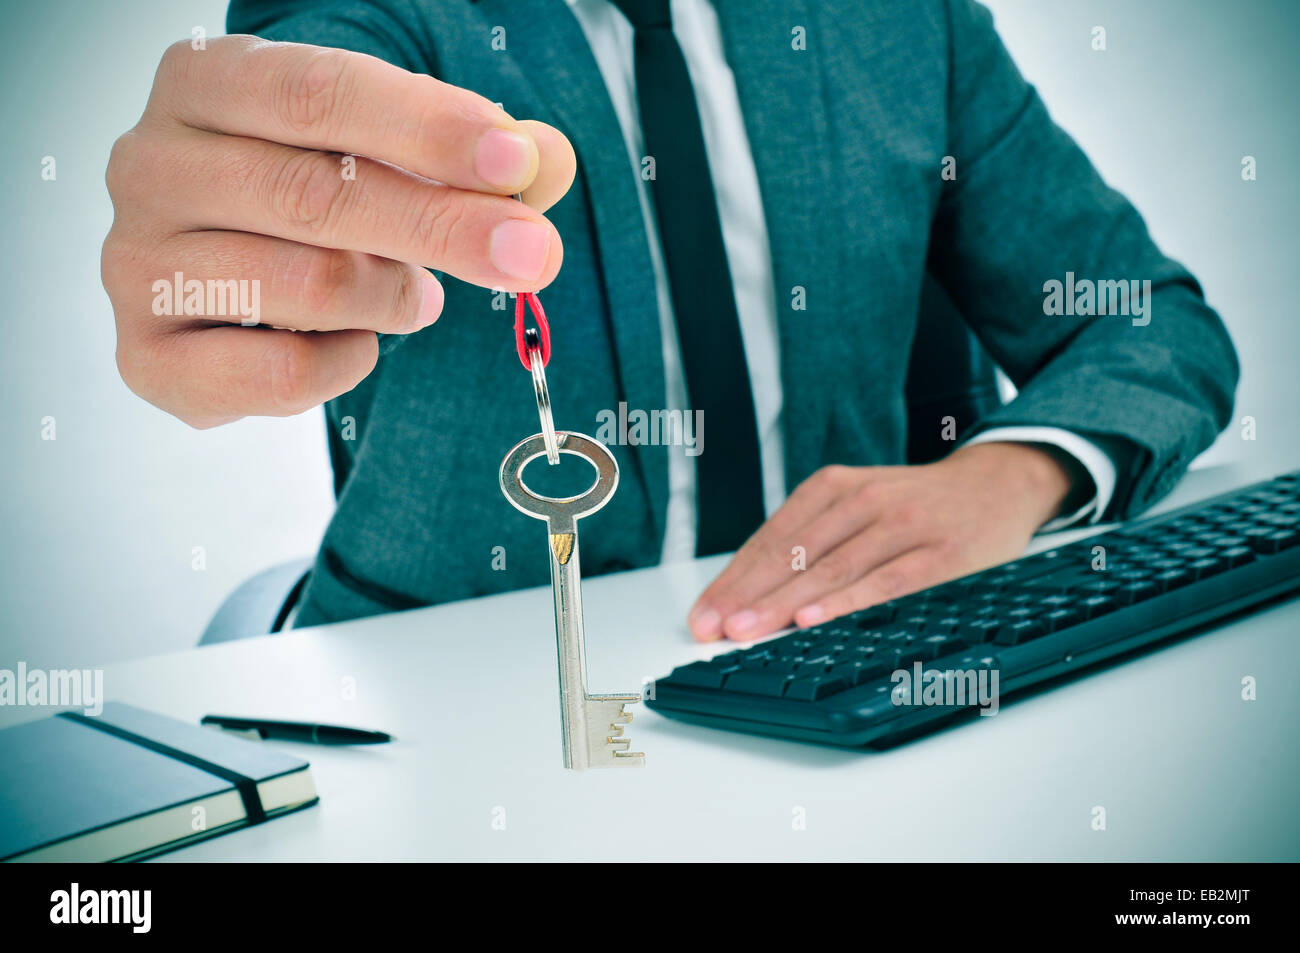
<point>849,137</point>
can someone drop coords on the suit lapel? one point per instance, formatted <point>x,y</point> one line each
<point>547,43</point>
<point>782,100</point>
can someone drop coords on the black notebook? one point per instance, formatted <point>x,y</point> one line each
<point>127,784</point>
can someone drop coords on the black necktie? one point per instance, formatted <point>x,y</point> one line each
<point>729,479</point>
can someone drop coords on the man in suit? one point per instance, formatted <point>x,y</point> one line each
<point>761,189</point>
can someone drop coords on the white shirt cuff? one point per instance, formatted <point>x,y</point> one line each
<point>1091,457</point>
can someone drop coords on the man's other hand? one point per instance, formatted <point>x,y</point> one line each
<point>850,537</point>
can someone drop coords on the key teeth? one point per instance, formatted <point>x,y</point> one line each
<point>614,751</point>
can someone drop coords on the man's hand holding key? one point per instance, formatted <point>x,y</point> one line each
<point>236,171</point>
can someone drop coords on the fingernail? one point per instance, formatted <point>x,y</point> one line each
<point>740,622</point>
<point>520,248</point>
<point>430,302</point>
<point>504,159</point>
<point>705,623</point>
<point>809,615</point>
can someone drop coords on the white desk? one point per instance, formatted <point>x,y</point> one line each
<point>1185,769</point>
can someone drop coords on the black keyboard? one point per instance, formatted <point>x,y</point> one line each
<point>895,670</point>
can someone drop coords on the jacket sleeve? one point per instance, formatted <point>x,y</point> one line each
<point>388,29</point>
<point>1026,209</point>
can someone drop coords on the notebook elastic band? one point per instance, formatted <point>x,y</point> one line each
<point>246,786</point>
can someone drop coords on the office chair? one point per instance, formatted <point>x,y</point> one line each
<point>261,605</point>
<point>949,375</point>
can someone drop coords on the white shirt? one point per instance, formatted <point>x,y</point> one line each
<point>744,235</point>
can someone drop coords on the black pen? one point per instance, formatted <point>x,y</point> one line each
<point>299,731</point>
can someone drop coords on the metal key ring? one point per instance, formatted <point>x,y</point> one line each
<point>543,396</point>
<point>559,509</point>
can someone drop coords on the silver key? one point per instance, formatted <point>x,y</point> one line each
<point>592,725</point>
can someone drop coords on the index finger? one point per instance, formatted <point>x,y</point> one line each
<point>340,101</point>
<point>765,556</point>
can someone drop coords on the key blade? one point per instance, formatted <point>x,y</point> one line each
<point>606,715</point>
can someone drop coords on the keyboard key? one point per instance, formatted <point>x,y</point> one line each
<point>1136,592</point>
<point>1101,586</point>
<point>1282,520</point>
<point>703,674</point>
<point>1095,606</point>
<point>873,617</point>
<point>916,602</point>
<point>1140,557</point>
<point>1220,543</point>
<point>1219,514</point>
<point>958,591</point>
<point>984,630</point>
<point>1017,633</point>
<point>997,583</point>
<point>1239,556</point>
<point>945,644</point>
<point>1204,568</point>
<point>1059,619</point>
<point>1285,539</point>
<point>816,687</point>
<point>1237,528</point>
<point>856,673</point>
<point>917,652</point>
<point>1173,579</point>
<point>1060,583</point>
<point>900,638</point>
<point>758,682</point>
<point>1257,538</point>
<point>1164,565</point>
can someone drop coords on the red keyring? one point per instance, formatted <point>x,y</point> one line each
<point>543,329</point>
